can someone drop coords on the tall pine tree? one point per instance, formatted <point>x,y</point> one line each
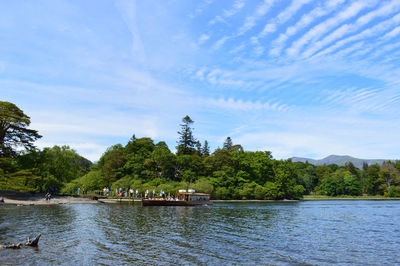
<point>228,144</point>
<point>206,149</point>
<point>186,140</point>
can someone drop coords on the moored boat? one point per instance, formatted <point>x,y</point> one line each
<point>183,198</point>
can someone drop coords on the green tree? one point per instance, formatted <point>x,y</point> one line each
<point>204,186</point>
<point>186,141</point>
<point>389,173</point>
<point>352,185</point>
<point>63,163</point>
<point>161,161</point>
<point>199,149</point>
<point>372,182</point>
<point>112,162</point>
<point>14,131</point>
<point>206,149</point>
<point>285,179</point>
<point>228,144</point>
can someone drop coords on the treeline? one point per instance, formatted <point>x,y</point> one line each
<point>42,170</point>
<point>229,172</point>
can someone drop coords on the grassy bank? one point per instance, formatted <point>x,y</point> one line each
<point>346,197</point>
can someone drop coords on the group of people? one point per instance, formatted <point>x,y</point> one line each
<point>162,194</point>
<point>131,193</point>
<point>127,193</point>
<point>78,191</point>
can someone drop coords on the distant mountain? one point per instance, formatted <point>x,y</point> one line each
<point>339,160</point>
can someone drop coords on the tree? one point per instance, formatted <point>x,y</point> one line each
<point>228,144</point>
<point>206,149</point>
<point>199,148</point>
<point>112,162</point>
<point>372,182</point>
<point>389,173</point>
<point>186,140</point>
<point>14,131</point>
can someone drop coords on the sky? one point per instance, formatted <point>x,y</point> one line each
<point>298,78</point>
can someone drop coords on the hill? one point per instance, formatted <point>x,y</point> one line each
<point>339,160</point>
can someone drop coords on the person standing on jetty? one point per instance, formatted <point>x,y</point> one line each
<point>79,191</point>
<point>48,197</point>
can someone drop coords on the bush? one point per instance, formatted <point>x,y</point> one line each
<point>393,191</point>
<point>202,185</point>
<point>271,190</point>
<point>222,193</point>
<point>259,192</point>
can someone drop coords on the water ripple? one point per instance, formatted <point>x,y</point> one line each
<point>306,233</point>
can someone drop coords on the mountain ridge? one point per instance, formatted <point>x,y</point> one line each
<point>340,160</point>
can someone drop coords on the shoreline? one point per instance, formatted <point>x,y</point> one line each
<point>42,201</point>
<point>27,199</point>
<point>254,201</point>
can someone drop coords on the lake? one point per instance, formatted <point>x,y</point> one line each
<point>309,232</point>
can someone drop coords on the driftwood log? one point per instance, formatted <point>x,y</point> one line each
<point>29,242</point>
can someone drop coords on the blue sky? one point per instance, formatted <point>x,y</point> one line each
<point>298,78</point>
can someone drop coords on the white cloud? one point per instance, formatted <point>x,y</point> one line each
<point>240,105</point>
<point>218,44</point>
<point>89,150</point>
<point>284,16</point>
<point>307,19</point>
<point>203,38</point>
<point>237,49</point>
<point>327,25</point>
<point>322,134</point>
<point>369,32</point>
<point>250,21</point>
<point>393,33</point>
<point>384,10</point>
<point>200,73</point>
<point>128,12</point>
<point>200,9</point>
<point>237,6</point>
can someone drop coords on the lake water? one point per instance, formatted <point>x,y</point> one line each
<point>314,233</point>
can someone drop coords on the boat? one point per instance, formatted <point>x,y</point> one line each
<point>183,198</point>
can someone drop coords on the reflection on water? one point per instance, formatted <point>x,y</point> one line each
<point>347,232</point>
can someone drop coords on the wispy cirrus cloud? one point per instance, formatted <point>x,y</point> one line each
<point>385,10</point>
<point>250,21</point>
<point>202,6</point>
<point>320,11</point>
<point>367,33</point>
<point>218,44</point>
<point>139,67</point>
<point>284,16</point>
<point>240,105</point>
<point>237,6</point>
<point>327,25</point>
<point>203,38</point>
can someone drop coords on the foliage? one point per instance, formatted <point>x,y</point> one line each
<point>14,131</point>
<point>186,141</point>
<point>227,173</point>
